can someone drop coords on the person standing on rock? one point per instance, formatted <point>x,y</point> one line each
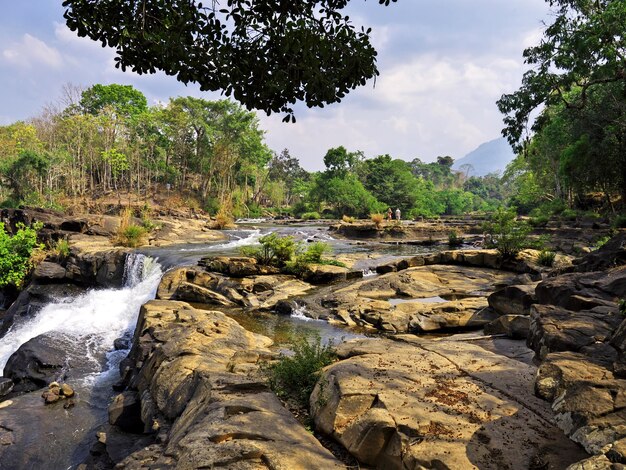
<point>398,214</point>
<point>389,215</point>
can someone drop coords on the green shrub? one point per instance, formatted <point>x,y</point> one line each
<point>619,221</point>
<point>594,215</point>
<point>569,214</point>
<point>600,242</point>
<point>539,221</point>
<point>16,253</point>
<point>315,251</point>
<point>60,248</point>
<point>311,216</point>
<point>621,305</point>
<point>505,233</point>
<point>347,219</point>
<point>131,236</point>
<point>212,205</point>
<point>454,239</point>
<point>294,377</point>
<point>274,250</point>
<point>546,258</point>
<point>313,254</point>
<point>149,224</point>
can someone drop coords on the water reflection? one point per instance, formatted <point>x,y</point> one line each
<point>282,329</point>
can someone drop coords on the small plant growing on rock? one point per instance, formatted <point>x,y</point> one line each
<point>505,233</point>
<point>347,219</point>
<point>311,216</point>
<point>621,306</point>
<point>223,219</point>
<point>546,258</point>
<point>294,377</point>
<point>454,239</point>
<point>129,234</point>
<point>60,249</point>
<point>377,219</point>
<point>600,242</point>
<point>313,254</point>
<point>132,236</point>
<point>274,250</point>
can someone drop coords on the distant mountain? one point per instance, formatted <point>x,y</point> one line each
<point>490,157</point>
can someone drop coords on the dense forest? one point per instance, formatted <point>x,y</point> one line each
<point>106,140</point>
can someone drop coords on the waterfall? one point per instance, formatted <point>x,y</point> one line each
<point>95,318</point>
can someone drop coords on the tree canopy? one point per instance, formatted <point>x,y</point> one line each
<point>584,48</point>
<point>267,54</point>
<point>578,81</point>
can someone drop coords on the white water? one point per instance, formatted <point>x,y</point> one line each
<point>250,239</point>
<point>369,272</point>
<point>260,220</point>
<point>95,318</point>
<point>299,313</point>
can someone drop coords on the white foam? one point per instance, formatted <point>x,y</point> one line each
<point>299,313</point>
<point>97,316</point>
<point>250,239</point>
<point>369,272</point>
<point>260,220</point>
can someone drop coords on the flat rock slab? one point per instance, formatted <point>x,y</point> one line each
<point>438,404</point>
<point>463,292</point>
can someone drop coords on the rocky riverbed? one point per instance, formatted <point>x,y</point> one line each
<point>475,362</point>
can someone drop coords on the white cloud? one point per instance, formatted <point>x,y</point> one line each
<point>426,106</point>
<point>532,38</point>
<point>32,52</point>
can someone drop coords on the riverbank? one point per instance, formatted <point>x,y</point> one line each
<point>193,391</point>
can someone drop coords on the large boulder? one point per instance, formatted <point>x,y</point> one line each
<point>436,404</point>
<point>103,268</point>
<point>584,291</point>
<point>554,328</point>
<point>195,375</point>
<point>194,284</point>
<point>588,400</point>
<point>328,274</point>
<point>47,271</point>
<point>513,326</point>
<point>36,363</point>
<point>513,300</point>
<point>609,255</point>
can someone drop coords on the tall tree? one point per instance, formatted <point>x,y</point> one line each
<point>125,100</point>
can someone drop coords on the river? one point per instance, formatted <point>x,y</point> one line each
<point>86,326</point>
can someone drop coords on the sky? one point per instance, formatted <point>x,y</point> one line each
<point>443,64</point>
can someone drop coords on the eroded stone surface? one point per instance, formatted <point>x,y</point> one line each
<point>437,404</point>
<point>194,373</point>
<point>432,298</point>
<point>194,284</point>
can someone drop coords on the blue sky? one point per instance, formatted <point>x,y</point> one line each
<point>443,64</point>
